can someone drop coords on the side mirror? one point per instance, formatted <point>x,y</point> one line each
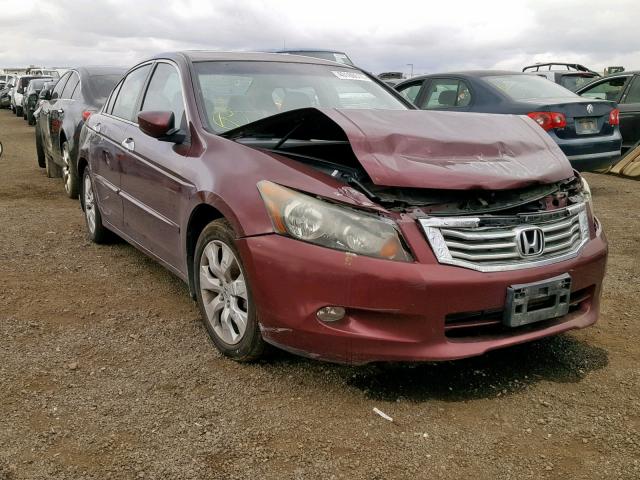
<point>160,125</point>
<point>46,94</point>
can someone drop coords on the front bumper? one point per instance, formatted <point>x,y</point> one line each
<point>396,311</point>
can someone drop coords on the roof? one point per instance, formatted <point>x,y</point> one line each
<point>212,55</point>
<point>100,70</point>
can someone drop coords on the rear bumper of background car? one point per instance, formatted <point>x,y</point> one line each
<point>399,311</point>
<point>591,153</point>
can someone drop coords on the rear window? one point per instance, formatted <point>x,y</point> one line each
<point>100,87</point>
<point>525,87</point>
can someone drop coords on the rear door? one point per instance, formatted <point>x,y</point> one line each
<point>108,153</point>
<point>57,114</point>
<point>630,114</point>
<point>152,185</point>
<point>47,108</point>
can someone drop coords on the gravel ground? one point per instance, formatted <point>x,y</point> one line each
<point>107,372</point>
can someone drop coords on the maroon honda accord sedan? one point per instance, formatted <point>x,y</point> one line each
<point>310,207</point>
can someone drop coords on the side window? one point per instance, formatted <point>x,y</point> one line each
<point>608,90</point>
<point>59,86</point>
<point>130,90</point>
<point>165,93</point>
<point>633,95</point>
<point>410,92</point>
<point>446,93</point>
<point>70,86</point>
<point>112,98</point>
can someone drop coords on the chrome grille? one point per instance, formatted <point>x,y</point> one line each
<point>490,243</point>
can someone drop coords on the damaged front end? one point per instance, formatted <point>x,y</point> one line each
<point>482,204</point>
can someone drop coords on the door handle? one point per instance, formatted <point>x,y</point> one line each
<point>128,144</point>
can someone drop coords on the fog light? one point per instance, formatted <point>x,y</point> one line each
<point>330,314</point>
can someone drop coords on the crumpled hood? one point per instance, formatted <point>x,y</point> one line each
<point>428,149</point>
<point>451,150</point>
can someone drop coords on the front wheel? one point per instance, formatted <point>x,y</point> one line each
<point>96,232</point>
<point>224,295</point>
<point>69,175</point>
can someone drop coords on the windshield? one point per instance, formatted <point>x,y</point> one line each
<point>332,56</point>
<point>237,93</point>
<point>524,87</point>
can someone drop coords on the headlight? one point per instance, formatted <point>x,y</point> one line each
<point>306,218</point>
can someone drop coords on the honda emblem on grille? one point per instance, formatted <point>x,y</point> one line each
<point>530,241</point>
<point>589,108</point>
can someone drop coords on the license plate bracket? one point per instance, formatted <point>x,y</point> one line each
<point>586,126</point>
<point>534,302</point>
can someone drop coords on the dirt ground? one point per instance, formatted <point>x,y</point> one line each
<point>106,371</point>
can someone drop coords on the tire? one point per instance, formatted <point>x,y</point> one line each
<point>228,299</point>
<point>69,174</point>
<point>31,119</point>
<point>24,114</point>
<point>18,111</point>
<point>96,232</point>
<point>39,149</point>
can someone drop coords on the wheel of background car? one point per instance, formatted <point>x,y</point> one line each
<point>18,111</point>
<point>31,119</point>
<point>39,149</point>
<point>96,232</point>
<point>224,295</point>
<point>24,114</point>
<point>53,169</point>
<point>69,175</point>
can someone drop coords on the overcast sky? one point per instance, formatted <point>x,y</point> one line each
<point>378,36</point>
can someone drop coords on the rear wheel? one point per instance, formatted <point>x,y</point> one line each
<point>224,295</point>
<point>96,232</point>
<point>39,149</point>
<point>69,175</point>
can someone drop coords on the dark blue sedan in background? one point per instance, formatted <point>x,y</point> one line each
<point>586,130</point>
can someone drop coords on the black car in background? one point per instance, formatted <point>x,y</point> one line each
<point>624,89</point>
<point>585,130</point>
<point>570,75</point>
<point>78,93</point>
<point>5,95</point>
<point>30,98</point>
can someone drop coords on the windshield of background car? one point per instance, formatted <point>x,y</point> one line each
<point>237,93</point>
<point>574,82</point>
<point>525,87</point>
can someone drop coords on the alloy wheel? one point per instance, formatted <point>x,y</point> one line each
<point>66,166</point>
<point>224,292</point>
<point>89,204</point>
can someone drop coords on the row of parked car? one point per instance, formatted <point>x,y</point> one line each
<point>310,206</point>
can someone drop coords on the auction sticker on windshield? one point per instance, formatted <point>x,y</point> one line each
<point>351,76</point>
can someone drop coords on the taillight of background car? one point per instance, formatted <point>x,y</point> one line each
<point>86,114</point>
<point>549,120</point>
<point>614,117</point>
